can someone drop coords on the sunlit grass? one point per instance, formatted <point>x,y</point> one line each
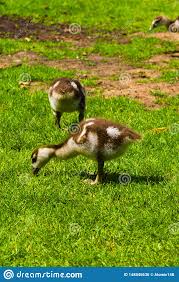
<point>114,224</point>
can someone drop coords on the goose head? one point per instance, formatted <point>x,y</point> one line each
<point>40,157</point>
<point>158,21</point>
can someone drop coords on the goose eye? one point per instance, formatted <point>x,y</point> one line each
<point>34,159</point>
<point>155,23</point>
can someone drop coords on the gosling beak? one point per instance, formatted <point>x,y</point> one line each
<point>35,170</point>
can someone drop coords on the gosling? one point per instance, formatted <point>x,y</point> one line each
<point>98,139</point>
<point>66,95</point>
<point>171,25</point>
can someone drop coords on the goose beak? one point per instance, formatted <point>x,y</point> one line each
<point>35,170</point>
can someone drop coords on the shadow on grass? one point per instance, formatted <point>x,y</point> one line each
<point>125,179</point>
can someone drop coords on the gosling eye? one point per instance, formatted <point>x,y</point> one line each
<point>34,159</point>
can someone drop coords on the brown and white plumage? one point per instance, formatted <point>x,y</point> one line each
<point>97,139</point>
<point>171,25</point>
<point>66,95</point>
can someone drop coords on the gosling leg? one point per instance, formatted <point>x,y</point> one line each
<point>99,176</point>
<point>57,119</point>
<point>82,109</point>
<point>81,115</point>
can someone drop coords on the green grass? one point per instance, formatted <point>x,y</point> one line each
<point>165,100</point>
<point>56,219</point>
<point>138,51</point>
<point>170,76</point>
<point>134,53</point>
<point>59,50</point>
<point>36,73</point>
<point>110,15</point>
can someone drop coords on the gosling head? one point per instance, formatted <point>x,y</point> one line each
<point>40,157</point>
<point>160,20</point>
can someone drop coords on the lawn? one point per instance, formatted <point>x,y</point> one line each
<point>57,219</point>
